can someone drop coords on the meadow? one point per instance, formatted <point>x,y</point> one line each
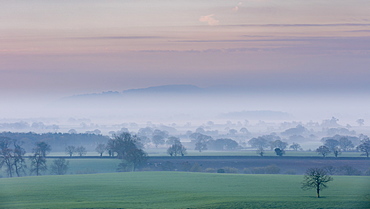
<point>179,190</point>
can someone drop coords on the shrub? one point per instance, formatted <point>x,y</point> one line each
<point>349,170</point>
<point>272,169</point>
<point>230,170</point>
<point>220,170</point>
<point>258,170</point>
<point>210,170</point>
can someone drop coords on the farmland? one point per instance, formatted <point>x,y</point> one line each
<point>179,190</point>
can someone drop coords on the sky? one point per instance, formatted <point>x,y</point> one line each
<point>60,48</point>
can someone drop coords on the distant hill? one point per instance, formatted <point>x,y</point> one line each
<point>165,89</point>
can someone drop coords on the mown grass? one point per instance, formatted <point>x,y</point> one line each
<point>179,190</point>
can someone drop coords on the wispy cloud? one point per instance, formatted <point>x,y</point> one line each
<point>359,31</point>
<point>209,20</point>
<point>301,25</point>
<point>119,37</point>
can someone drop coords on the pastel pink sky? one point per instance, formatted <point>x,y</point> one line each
<point>73,47</point>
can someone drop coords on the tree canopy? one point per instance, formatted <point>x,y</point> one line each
<point>316,178</point>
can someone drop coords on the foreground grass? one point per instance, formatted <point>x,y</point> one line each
<point>179,190</point>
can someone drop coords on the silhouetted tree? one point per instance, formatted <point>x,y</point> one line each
<point>364,146</point>
<point>279,152</point>
<point>345,144</point>
<point>19,160</point>
<point>176,149</point>
<point>81,151</point>
<point>316,178</point>
<point>336,151</point>
<point>100,148</point>
<point>171,140</point>
<point>12,156</point>
<point>260,143</point>
<point>158,137</point>
<point>42,148</point>
<point>38,160</point>
<point>38,163</point>
<point>323,150</point>
<point>70,150</point>
<point>6,155</point>
<point>59,166</point>
<point>279,144</point>
<point>295,146</point>
<point>128,148</point>
<point>332,144</point>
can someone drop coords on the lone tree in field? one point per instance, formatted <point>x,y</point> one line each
<point>59,166</point>
<point>81,151</point>
<point>70,150</point>
<point>101,148</point>
<point>316,178</point>
<point>323,150</point>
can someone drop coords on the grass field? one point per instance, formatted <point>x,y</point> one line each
<point>163,152</point>
<point>179,190</point>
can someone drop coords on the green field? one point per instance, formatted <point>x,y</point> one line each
<point>163,152</point>
<point>179,190</point>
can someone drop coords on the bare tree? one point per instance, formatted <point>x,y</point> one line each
<point>38,163</point>
<point>6,155</point>
<point>12,156</point>
<point>59,166</point>
<point>19,160</point>
<point>81,151</point>
<point>101,148</point>
<point>316,178</point>
<point>70,150</point>
<point>42,148</point>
